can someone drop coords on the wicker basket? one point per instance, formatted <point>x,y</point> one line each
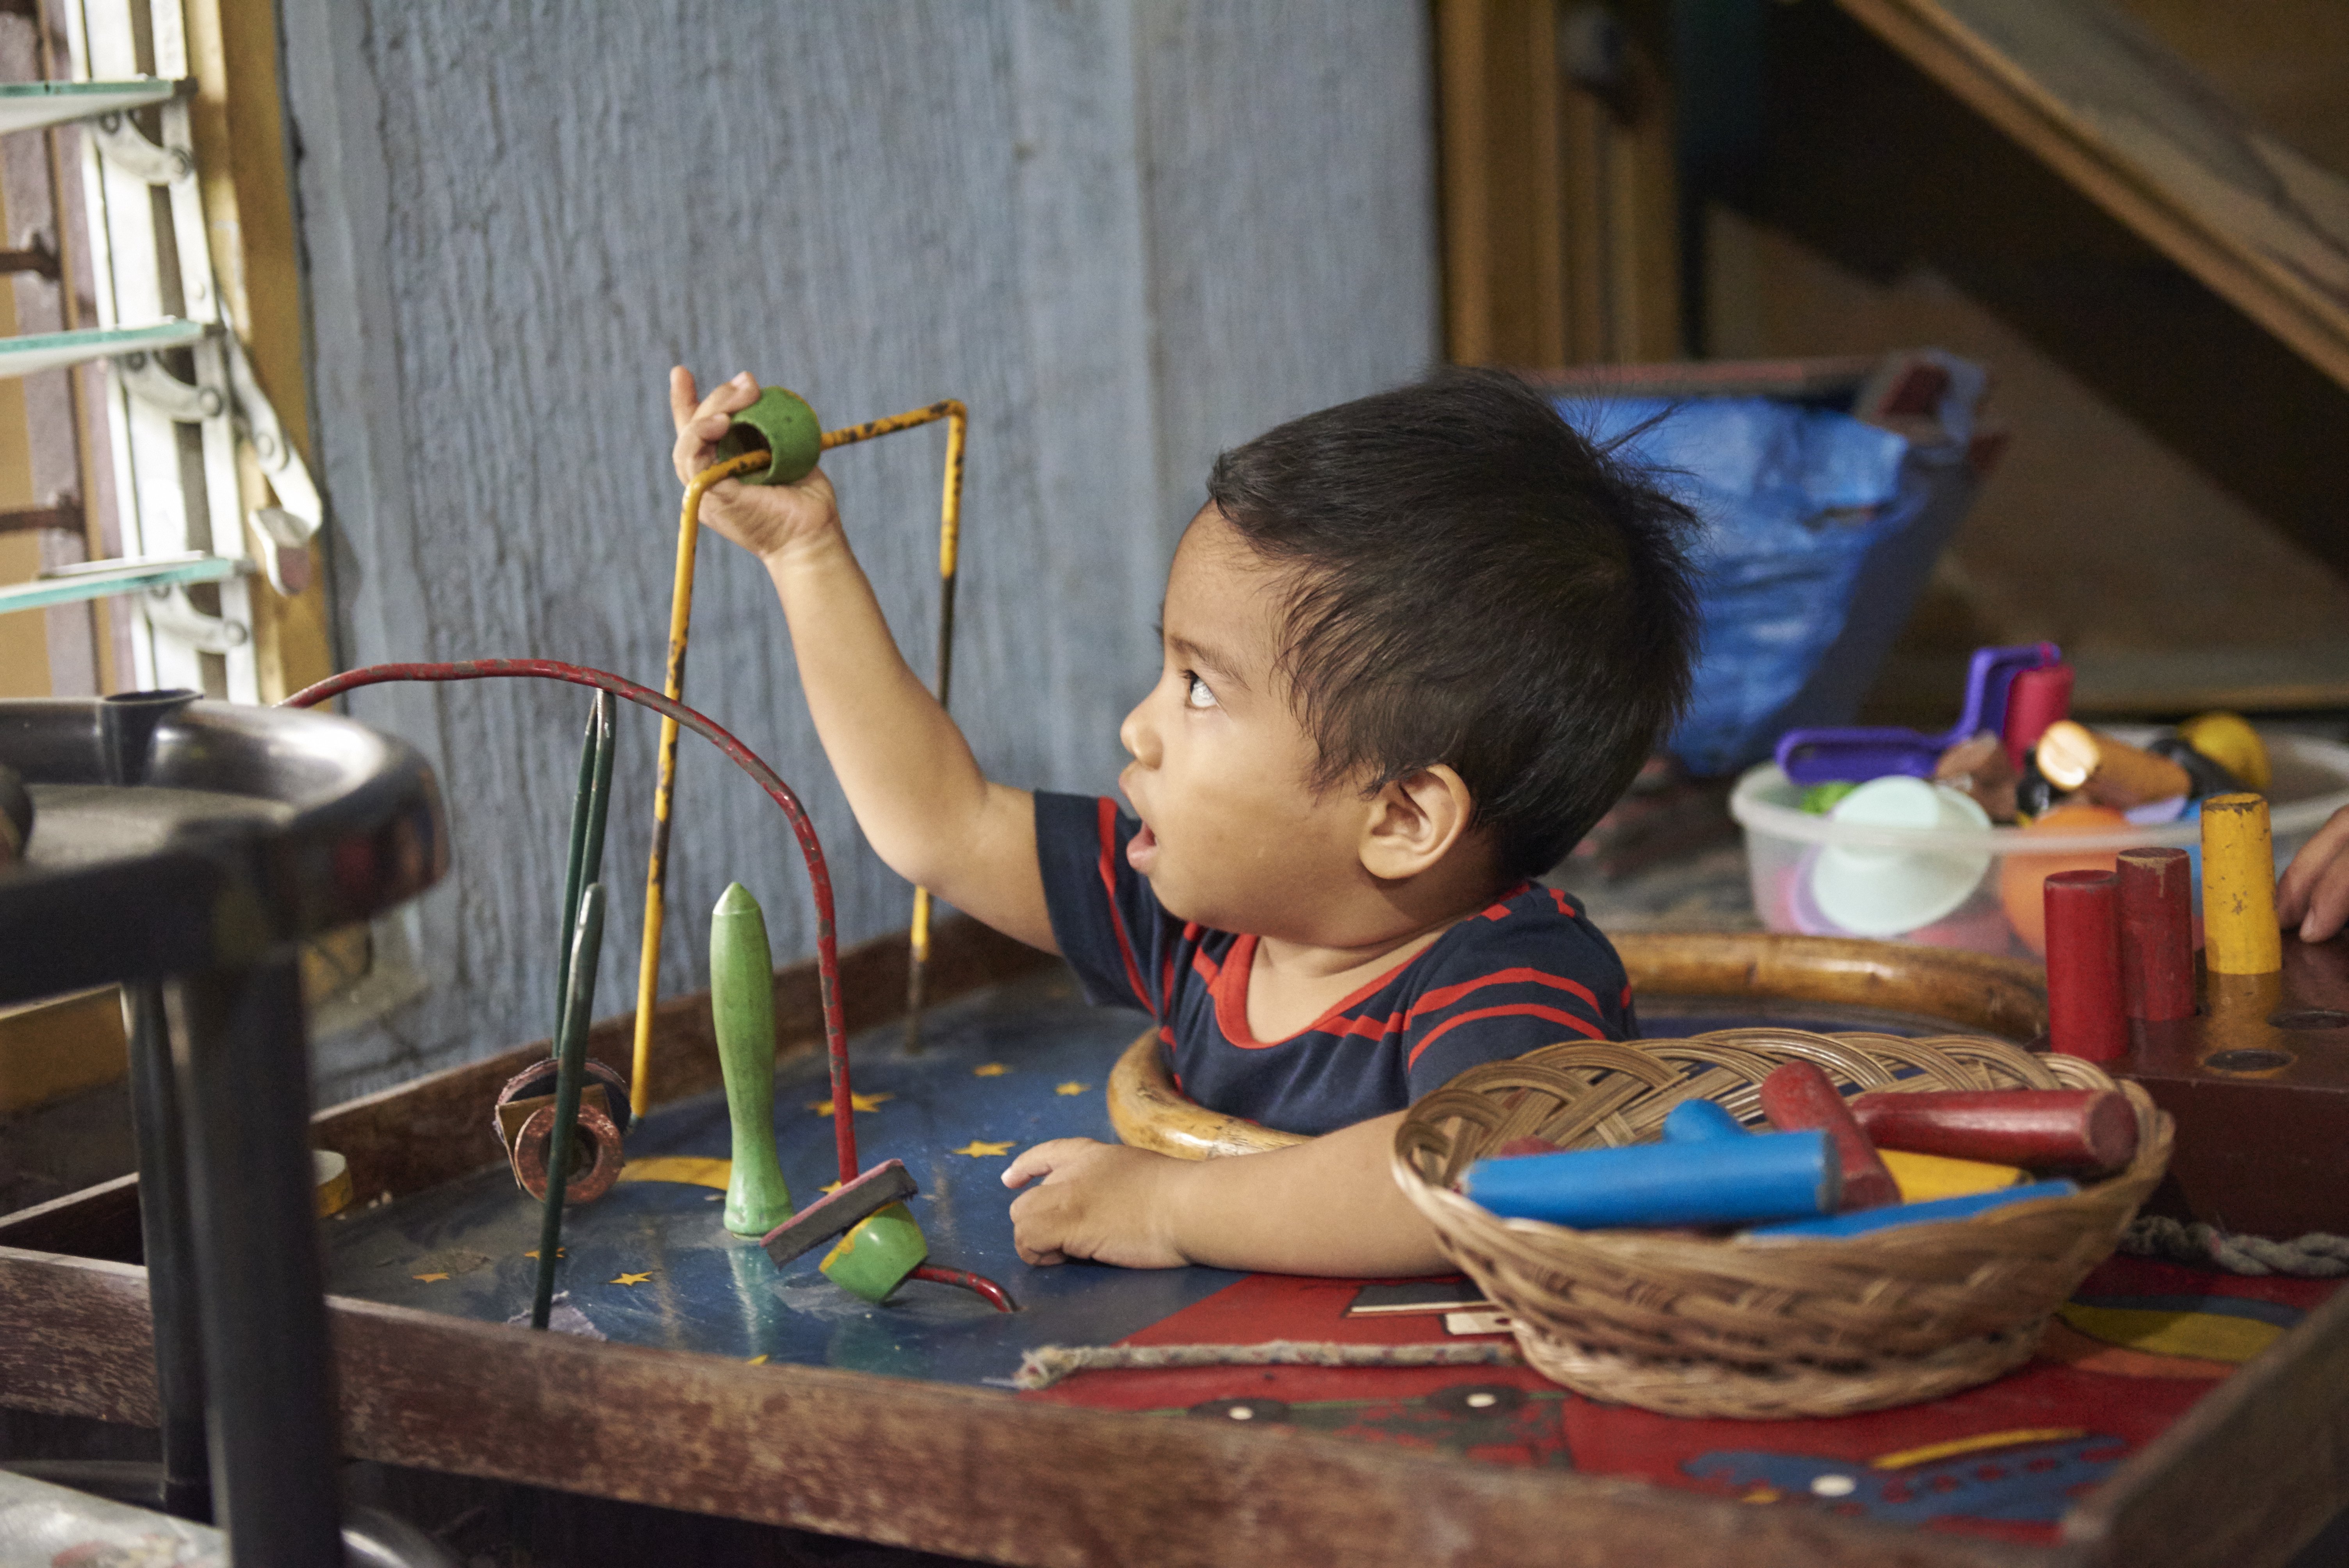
<point>1692,1325</point>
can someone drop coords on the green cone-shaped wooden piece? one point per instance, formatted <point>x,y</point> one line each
<point>742,998</point>
<point>782,424</point>
<point>875,1257</point>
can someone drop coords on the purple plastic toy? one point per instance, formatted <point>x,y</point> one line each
<point>1856,755</point>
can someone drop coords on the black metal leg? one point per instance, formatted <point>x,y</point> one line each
<point>241,1052</point>
<point>164,1223</point>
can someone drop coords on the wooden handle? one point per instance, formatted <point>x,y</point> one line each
<point>1150,1112</point>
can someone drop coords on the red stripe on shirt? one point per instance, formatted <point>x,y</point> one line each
<point>1443,996</point>
<point>1116,919</point>
<point>1436,1000</point>
<point>1499,908</point>
<point>1515,1009</point>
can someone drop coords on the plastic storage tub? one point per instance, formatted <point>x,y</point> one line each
<point>1783,842</point>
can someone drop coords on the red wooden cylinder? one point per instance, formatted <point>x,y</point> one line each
<point>2036,699</point>
<point>2085,1014</point>
<point>1798,1098</point>
<point>2156,926</point>
<point>2084,1130</point>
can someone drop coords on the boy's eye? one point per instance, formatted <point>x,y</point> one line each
<point>1195,693</point>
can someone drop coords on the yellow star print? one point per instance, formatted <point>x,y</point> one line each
<point>978,1147</point>
<point>632,1279</point>
<point>756,1361</point>
<point>862,1102</point>
<point>1072,1086</point>
<point>829,1187</point>
<point>430,1278</point>
<point>559,1252</point>
<point>992,1069</point>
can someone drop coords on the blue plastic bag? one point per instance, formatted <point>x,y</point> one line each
<point>1819,532</point>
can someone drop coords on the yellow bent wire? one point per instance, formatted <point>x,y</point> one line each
<point>680,621</point>
<point>680,618</point>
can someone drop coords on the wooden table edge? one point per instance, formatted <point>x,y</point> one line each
<point>932,1467</point>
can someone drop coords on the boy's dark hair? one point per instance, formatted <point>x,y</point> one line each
<point>1475,584</point>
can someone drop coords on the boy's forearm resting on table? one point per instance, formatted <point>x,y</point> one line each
<point>908,774</point>
<point>1328,1206</point>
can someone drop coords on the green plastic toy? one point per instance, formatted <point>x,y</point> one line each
<point>742,1002</point>
<point>874,1258</point>
<point>780,423</point>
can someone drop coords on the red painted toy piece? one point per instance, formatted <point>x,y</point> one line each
<point>2083,1130</point>
<point>1798,1098</point>
<point>2036,699</point>
<point>1517,1146</point>
<point>2085,1014</point>
<point>2156,933</point>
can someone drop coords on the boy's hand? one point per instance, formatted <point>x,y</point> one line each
<point>765,520</point>
<point>1099,1201</point>
<point>2314,893</point>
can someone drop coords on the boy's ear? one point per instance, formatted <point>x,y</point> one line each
<point>1414,822</point>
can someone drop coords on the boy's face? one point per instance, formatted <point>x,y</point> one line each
<point>1233,837</point>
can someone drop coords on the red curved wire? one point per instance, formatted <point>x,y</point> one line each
<point>827,946</point>
<point>993,1293</point>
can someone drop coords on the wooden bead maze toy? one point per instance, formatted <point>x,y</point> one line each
<point>571,1071</point>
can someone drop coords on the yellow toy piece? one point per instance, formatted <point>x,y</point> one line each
<point>1922,1178</point>
<point>2228,740</point>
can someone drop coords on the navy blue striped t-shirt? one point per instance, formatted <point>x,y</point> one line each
<point>1527,971</point>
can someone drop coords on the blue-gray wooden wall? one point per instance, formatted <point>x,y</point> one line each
<point>1127,233</point>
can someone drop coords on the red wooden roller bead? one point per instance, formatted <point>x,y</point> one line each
<point>2157,924</point>
<point>2085,1013</point>
<point>1798,1098</point>
<point>2041,1129</point>
<point>2036,699</point>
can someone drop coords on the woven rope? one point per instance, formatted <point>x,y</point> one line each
<point>1048,1364</point>
<point>1692,1324</point>
<point>2316,1255</point>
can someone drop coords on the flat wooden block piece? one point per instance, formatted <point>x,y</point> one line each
<point>874,1258</point>
<point>1926,1176</point>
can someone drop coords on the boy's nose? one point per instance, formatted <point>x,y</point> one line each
<point>1135,734</point>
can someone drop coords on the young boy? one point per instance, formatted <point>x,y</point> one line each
<point>1414,646</point>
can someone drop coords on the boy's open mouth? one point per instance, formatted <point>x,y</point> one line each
<point>1141,850</point>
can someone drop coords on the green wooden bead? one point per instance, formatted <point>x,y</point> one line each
<point>874,1258</point>
<point>742,1002</point>
<point>779,423</point>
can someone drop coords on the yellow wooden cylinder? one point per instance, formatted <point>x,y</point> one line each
<point>2239,935</point>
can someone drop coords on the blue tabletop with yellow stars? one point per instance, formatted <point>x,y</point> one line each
<point>650,1264</point>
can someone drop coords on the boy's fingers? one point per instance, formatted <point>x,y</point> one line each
<point>2327,905</point>
<point>1029,1236</point>
<point>1038,1160</point>
<point>682,396</point>
<point>2309,867</point>
<point>729,398</point>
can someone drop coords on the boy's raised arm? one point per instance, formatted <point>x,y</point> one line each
<point>908,774</point>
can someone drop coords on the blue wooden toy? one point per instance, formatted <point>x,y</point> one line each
<point>1717,1181</point>
<point>1700,1121</point>
<point>1859,1221</point>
